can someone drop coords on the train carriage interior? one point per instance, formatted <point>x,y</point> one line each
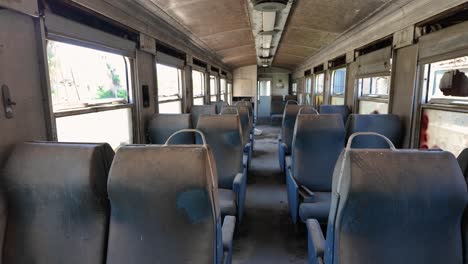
<point>234,131</point>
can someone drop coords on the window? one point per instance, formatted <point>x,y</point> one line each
<point>445,126</point>
<point>229,96</point>
<point>294,88</point>
<point>169,89</point>
<point>90,91</point>
<point>308,87</point>
<point>213,88</point>
<point>264,88</point>
<point>338,86</point>
<point>373,94</point>
<point>198,81</point>
<point>319,87</point>
<point>223,89</point>
<point>447,81</point>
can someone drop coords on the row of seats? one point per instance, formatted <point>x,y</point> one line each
<point>316,142</point>
<point>227,134</point>
<point>388,125</point>
<point>77,203</point>
<point>277,105</point>
<point>394,206</point>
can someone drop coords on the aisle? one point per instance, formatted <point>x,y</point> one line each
<point>266,234</point>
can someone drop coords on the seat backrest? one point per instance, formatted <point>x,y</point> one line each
<point>317,143</point>
<point>164,205</point>
<point>387,125</point>
<point>396,207</point>
<point>342,110</point>
<point>199,110</point>
<point>289,121</point>
<point>224,136</point>
<point>276,105</point>
<point>246,123</point>
<point>463,162</point>
<point>248,104</point>
<point>290,98</point>
<point>57,203</point>
<point>219,106</point>
<point>161,126</point>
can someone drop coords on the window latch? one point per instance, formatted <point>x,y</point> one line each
<point>8,103</point>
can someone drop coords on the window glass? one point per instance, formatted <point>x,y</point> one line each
<point>374,86</point>
<point>229,88</point>
<point>447,81</point>
<point>213,88</point>
<point>113,127</point>
<point>265,88</point>
<point>372,107</point>
<point>81,77</point>
<point>447,130</point>
<point>294,88</point>
<point>198,80</point>
<point>308,88</point>
<point>338,82</point>
<point>223,89</point>
<point>169,89</point>
<point>319,83</point>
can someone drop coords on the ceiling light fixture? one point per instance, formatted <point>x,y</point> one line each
<point>269,5</point>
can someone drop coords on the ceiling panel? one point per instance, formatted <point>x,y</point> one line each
<point>220,24</point>
<point>314,24</point>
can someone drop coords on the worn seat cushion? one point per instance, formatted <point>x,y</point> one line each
<point>227,202</point>
<point>318,209</point>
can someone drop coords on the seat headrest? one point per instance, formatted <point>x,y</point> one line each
<point>164,205</point>
<point>199,110</point>
<point>463,162</point>
<point>343,110</point>
<point>161,126</point>
<point>224,135</point>
<point>388,125</point>
<point>57,199</point>
<point>406,204</point>
<point>277,98</point>
<point>318,141</point>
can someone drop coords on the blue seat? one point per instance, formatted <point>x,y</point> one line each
<point>317,143</point>
<point>161,126</point>
<point>387,125</point>
<point>246,126</point>
<point>290,98</point>
<point>199,110</point>
<point>287,130</point>
<point>392,206</point>
<point>277,105</point>
<point>57,203</point>
<point>164,207</point>
<point>342,110</point>
<point>224,136</point>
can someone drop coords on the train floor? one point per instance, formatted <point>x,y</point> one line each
<point>267,234</point>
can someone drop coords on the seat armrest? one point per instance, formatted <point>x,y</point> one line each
<point>239,186</point>
<point>245,160</point>
<point>288,162</point>
<point>306,194</point>
<point>316,241</point>
<point>293,196</point>
<point>229,225</point>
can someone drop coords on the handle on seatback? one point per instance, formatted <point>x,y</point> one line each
<point>357,134</point>
<point>308,107</point>
<point>292,101</point>
<point>229,107</point>
<point>186,131</point>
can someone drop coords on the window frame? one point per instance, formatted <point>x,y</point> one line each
<point>204,86</point>
<point>315,86</point>
<point>216,83</point>
<point>223,96</point>
<point>98,107</point>
<point>180,82</point>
